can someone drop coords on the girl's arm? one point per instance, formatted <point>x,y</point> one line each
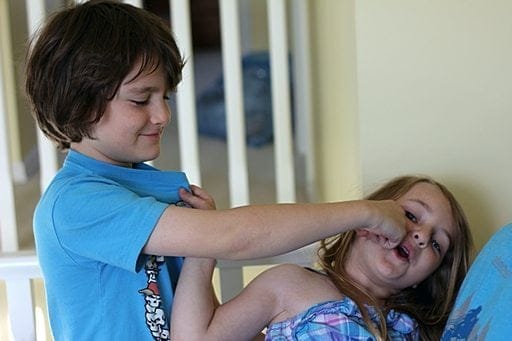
<point>265,230</point>
<point>194,300</point>
<point>195,317</point>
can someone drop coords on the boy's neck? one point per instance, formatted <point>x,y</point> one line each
<point>86,149</point>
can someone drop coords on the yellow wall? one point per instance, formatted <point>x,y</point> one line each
<point>335,99</point>
<point>432,93</point>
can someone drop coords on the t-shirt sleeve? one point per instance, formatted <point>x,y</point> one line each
<point>97,220</point>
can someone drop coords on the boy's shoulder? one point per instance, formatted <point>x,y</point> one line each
<point>70,181</point>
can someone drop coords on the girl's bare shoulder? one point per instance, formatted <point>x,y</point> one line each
<point>292,274</point>
<point>295,271</point>
<point>296,288</point>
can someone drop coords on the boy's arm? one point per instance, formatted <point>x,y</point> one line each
<point>265,230</point>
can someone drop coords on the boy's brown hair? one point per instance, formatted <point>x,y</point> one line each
<point>76,64</point>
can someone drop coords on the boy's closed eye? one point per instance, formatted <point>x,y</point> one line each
<point>146,100</point>
<point>140,102</point>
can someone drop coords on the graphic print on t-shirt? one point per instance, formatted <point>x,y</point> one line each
<point>155,314</point>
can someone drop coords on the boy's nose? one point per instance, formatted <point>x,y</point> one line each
<point>162,115</point>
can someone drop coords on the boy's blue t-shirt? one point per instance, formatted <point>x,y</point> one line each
<point>90,227</point>
<point>482,310</point>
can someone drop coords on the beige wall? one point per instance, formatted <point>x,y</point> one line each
<point>432,87</point>
<point>335,99</point>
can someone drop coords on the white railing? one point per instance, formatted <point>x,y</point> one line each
<point>17,269</point>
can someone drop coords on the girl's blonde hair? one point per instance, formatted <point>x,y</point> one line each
<point>431,301</point>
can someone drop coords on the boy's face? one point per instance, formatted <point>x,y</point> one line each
<point>133,122</point>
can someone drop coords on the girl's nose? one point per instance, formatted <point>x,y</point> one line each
<point>422,237</point>
<point>419,240</point>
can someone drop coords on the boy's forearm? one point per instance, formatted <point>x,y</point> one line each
<point>276,229</point>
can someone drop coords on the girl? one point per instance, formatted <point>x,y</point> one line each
<point>363,291</point>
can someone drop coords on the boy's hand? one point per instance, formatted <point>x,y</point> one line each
<point>387,225</point>
<point>197,198</point>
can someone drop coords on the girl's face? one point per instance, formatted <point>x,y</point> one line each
<point>133,122</point>
<point>430,232</point>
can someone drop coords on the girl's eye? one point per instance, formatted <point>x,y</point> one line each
<point>436,245</point>
<point>411,217</point>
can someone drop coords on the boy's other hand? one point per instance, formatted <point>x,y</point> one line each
<point>197,198</point>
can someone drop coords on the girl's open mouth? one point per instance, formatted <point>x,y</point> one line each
<point>402,252</point>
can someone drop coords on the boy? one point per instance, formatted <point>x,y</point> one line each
<point>110,231</point>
